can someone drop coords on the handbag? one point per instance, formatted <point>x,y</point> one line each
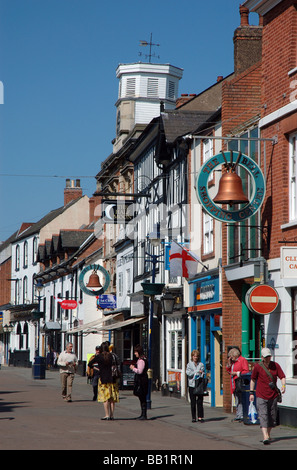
<point>200,386</point>
<point>279,393</point>
<point>239,385</point>
<point>115,372</point>
<point>137,387</point>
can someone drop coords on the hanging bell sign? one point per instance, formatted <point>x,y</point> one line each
<point>94,281</point>
<point>94,286</point>
<point>230,186</point>
<point>230,190</point>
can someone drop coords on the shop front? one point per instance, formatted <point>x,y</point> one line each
<point>205,312</point>
<point>174,354</point>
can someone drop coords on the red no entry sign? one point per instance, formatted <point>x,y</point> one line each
<point>262,299</point>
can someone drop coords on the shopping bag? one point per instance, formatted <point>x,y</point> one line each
<point>253,415</point>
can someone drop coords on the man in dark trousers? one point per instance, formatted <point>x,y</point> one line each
<point>93,364</point>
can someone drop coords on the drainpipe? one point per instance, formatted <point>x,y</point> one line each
<point>245,324</point>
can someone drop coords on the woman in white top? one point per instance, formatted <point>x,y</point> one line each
<point>195,370</point>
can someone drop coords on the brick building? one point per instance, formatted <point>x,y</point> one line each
<point>279,214</point>
<point>241,109</point>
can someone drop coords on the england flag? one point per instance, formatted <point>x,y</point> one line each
<point>182,262</point>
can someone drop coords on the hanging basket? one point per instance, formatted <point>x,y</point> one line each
<point>152,289</point>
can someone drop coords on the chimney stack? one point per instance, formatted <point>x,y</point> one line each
<point>244,16</point>
<point>247,42</point>
<point>72,191</point>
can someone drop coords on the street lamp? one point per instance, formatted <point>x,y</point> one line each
<point>7,330</point>
<point>39,287</point>
<point>151,289</point>
<point>167,302</point>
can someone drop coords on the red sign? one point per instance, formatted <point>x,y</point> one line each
<point>262,299</point>
<point>68,304</point>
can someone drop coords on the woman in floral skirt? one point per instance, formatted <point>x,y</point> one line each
<point>108,392</point>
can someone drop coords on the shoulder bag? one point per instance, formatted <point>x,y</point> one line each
<point>200,386</point>
<point>115,368</point>
<point>272,385</point>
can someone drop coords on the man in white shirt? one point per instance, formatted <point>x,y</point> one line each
<point>68,364</point>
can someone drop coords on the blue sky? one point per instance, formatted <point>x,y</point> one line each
<point>58,60</point>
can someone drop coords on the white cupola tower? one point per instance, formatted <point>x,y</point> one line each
<point>142,89</point>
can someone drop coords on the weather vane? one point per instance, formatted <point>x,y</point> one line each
<point>145,43</point>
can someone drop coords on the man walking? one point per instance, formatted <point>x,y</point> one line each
<point>68,363</point>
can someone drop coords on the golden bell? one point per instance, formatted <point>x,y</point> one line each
<point>94,280</point>
<point>230,190</point>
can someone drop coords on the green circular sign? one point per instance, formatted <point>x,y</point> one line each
<point>218,212</point>
<point>94,267</point>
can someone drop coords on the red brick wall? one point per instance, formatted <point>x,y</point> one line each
<point>279,56</point>
<point>241,98</point>
<point>278,90</point>
<point>5,273</point>
<point>241,103</point>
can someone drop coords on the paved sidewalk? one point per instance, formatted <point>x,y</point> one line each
<point>34,416</point>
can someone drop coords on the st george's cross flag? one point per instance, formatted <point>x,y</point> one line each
<point>182,262</point>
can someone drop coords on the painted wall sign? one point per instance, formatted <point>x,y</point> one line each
<point>84,288</point>
<point>216,211</point>
<point>288,268</point>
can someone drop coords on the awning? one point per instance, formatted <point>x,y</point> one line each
<point>120,324</point>
<point>51,325</point>
<point>93,325</point>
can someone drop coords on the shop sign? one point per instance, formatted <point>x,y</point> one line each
<point>288,269</point>
<point>68,304</point>
<point>206,291</point>
<point>107,301</point>
<point>216,211</point>
<point>118,212</point>
<point>85,289</point>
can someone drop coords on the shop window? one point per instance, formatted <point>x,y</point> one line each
<point>176,350</point>
<point>294,331</point>
<point>20,336</point>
